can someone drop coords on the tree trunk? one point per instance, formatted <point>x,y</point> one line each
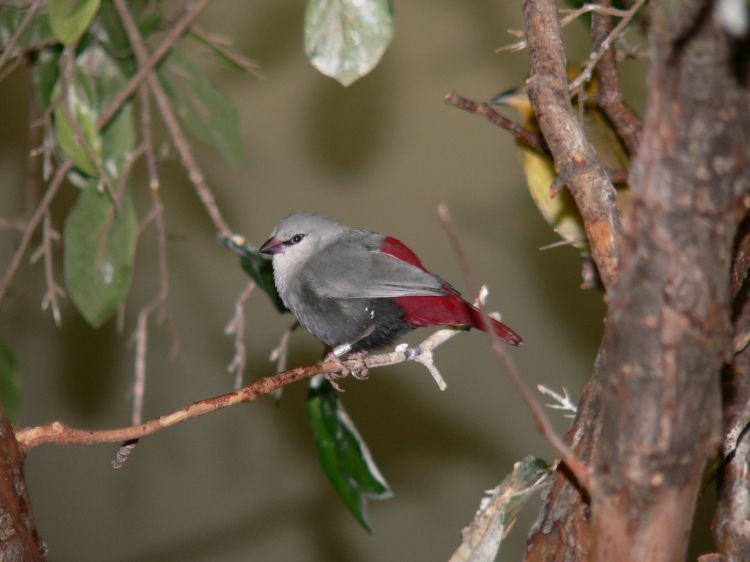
<point>19,540</point>
<point>651,415</point>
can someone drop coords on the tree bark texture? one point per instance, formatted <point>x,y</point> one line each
<point>651,415</point>
<point>19,540</point>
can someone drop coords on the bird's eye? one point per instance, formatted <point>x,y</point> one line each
<point>296,239</point>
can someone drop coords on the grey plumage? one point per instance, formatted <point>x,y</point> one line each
<point>338,283</point>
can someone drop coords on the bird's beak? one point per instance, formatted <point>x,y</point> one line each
<point>516,98</point>
<point>272,246</point>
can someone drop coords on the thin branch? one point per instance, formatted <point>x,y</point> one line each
<point>575,13</point>
<point>222,46</point>
<point>12,224</point>
<point>145,69</point>
<point>15,262</point>
<point>60,434</point>
<point>574,156</point>
<point>140,342</point>
<point>523,134</point>
<point>604,45</point>
<point>572,15</point>
<point>626,122</point>
<point>49,234</point>
<point>140,335</point>
<point>281,351</point>
<point>25,22</point>
<point>545,427</point>
<point>236,327</point>
<point>560,401</point>
<point>170,120</point>
<point>148,143</point>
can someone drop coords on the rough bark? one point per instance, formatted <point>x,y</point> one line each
<point>19,540</point>
<point>730,526</point>
<point>651,416</point>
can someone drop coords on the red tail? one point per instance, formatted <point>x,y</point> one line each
<point>450,310</point>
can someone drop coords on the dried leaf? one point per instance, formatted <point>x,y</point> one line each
<point>498,511</point>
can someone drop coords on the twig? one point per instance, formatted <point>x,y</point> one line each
<point>170,120</point>
<point>12,224</point>
<point>545,427</point>
<point>236,327</point>
<point>25,22</point>
<point>523,134</point>
<point>561,401</point>
<point>60,434</point>
<point>572,15</point>
<point>148,143</point>
<point>626,122</point>
<point>49,234</point>
<point>140,335</point>
<point>281,351</point>
<point>140,341</point>
<point>574,156</point>
<point>605,44</point>
<point>15,261</point>
<point>221,45</point>
<point>575,13</point>
<point>145,69</point>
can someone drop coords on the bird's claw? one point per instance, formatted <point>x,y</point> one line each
<point>344,370</point>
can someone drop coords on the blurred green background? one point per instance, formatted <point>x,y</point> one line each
<point>245,484</point>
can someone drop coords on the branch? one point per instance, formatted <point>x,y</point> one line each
<point>574,156</point>
<point>49,234</point>
<point>146,68</point>
<point>521,133</point>
<point>15,262</point>
<point>626,122</point>
<point>27,19</point>
<point>170,119</point>
<point>236,327</point>
<point>60,434</point>
<point>604,45</point>
<point>545,427</point>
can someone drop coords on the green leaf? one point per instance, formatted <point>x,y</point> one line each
<point>10,385</point>
<point>225,53</point>
<point>78,100</point>
<point>98,253</point>
<point>147,17</point>
<point>345,39</point>
<point>34,36</point>
<point>98,79</point>
<point>70,18</point>
<point>499,509</point>
<point>344,454</point>
<point>258,266</point>
<point>206,111</point>
<point>44,74</point>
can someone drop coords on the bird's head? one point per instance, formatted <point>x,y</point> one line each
<point>518,99</point>
<point>297,237</point>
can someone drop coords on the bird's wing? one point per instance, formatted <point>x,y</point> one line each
<point>356,268</point>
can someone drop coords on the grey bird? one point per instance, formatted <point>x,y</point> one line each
<point>357,290</point>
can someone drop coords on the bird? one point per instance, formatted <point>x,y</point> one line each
<point>560,210</point>
<point>357,290</point>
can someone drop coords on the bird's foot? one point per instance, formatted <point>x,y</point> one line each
<point>344,370</point>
